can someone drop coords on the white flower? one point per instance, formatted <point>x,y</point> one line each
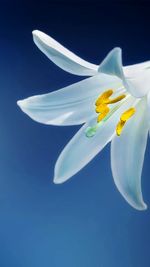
<point>121,96</point>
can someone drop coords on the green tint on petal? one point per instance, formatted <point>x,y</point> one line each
<point>90,131</point>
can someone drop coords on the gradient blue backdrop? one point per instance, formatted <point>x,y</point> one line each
<point>84,222</point>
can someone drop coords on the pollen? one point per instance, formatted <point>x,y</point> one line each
<point>103,101</point>
<point>117,99</point>
<point>123,119</point>
<point>127,114</point>
<point>101,108</point>
<point>103,114</point>
<point>104,97</point>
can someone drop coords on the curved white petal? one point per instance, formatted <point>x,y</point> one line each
<point>71,105</point>
<point>148,105</point>
<point>127,156</point>
<point>132,69</point>
<point>112,64</point>
<point>62,57</point>
<point>82,149</point>
<point>135,78</point>
<point>138,83</point>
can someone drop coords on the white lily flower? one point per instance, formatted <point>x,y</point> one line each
<point>113,104</point>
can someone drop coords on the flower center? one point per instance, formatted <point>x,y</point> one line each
<point>104,111</point>
<point>103,101</point>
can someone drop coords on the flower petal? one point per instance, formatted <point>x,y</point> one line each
<point>82,149</point>
<point>62,57</point>
<point>136,81</point>
<point>136,67</point>
<point>112,64</point>
<point>127,156</point>
<point>148,106</point>
<point>71,105</point>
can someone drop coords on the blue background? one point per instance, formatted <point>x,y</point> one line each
<point>84,222</point>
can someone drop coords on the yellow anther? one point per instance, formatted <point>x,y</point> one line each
<point>101,108</point>
<point>103,97</point>
<point>103,101</point>
<point>123,119</point>
<point>115,100</point>
<point>119,127</point>
<point>102,115</point>
<point>127,114</point>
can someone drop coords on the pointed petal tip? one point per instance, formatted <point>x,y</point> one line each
<point>117,48</point>
<point>21,103</point>
<point>140,206</point>
<point>58,180</point>
<point>144,207</point>
<point>39,36</point>
<point>60,177</point>
<point>35,32</point>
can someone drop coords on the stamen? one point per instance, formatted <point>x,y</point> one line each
<point>119,127</point>
<point>127,114</point>
<point>101,99</point>
<point>123,119</point>
<point>102,115</point>
<point>115,100</point>
<point>101,108</point>
<point>91,131</point>
<point>105,112</point>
